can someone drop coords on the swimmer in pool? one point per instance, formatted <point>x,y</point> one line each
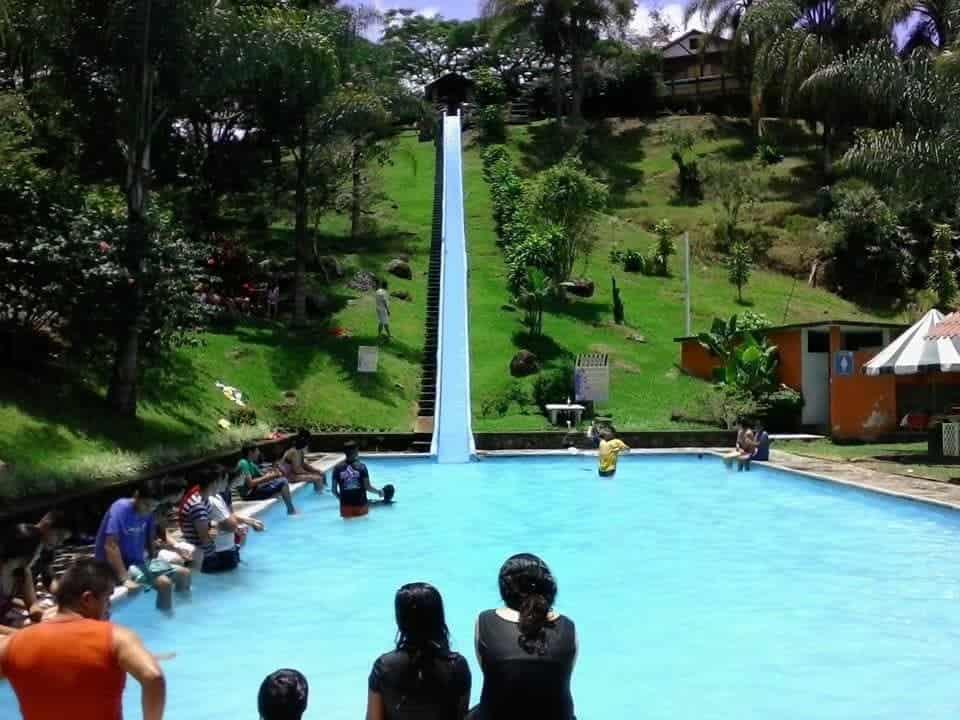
<point>746,446</point>
<point>351,483</point>
<point>609,452</point>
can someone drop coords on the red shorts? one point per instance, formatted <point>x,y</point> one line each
<point>352,511</point>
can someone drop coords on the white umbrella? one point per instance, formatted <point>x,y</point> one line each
<point>915,352</point>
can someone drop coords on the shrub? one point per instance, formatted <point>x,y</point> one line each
<point>498,404</point>
<point>768,154</point>
<point>634,261</point>
<point>725,405</point>
<point>537,251</point>
<point>664,231</point>
<point>782,410</point>
<point>242,416</point>
<point>869,250</point>
<point>566,196</point>
<point>492,123</point>
<point>943,280</point>
<point>553,386</point>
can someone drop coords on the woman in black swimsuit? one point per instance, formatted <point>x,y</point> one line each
<point>422,679</point>
<point>526,650</point>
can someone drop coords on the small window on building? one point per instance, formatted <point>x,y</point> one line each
<point>694,43</point>
<point>863,340</point>
<point>818,342</point>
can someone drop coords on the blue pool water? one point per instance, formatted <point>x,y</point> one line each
<point>698,593</point>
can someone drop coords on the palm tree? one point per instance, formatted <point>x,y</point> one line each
<point>548,21</point>
<point>935,24</point>
<point>913,107</point>
<point>567,30</point>
<point>792,40</point>
<point>718,16</point>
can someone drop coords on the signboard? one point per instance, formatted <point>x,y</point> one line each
<point>843,363</point>
<point>591,378</point>
<point>367,358</point>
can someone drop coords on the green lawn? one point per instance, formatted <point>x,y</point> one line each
<point>56,432</point>
<point>646,385</point>
<point>898,458</point>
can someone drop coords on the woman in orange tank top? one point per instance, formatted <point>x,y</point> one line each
<point>75,664</point>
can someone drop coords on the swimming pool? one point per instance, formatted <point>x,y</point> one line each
<point>697,592</point>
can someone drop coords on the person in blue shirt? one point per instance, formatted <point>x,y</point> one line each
<point>126,541</point>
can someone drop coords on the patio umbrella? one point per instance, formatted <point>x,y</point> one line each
<point>916,351</point>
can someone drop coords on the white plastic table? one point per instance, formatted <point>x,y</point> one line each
<point>556,408</point>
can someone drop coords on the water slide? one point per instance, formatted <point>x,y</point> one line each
<point>453,432</point>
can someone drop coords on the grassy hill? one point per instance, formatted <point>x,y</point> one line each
<point>646,385</point>
<point>56,431</point>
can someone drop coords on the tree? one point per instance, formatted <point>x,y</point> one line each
<point>912,108</point>
<point>740,265</point>
<point>664,231</point>
<point>719,16</point>
<point>128,56</point>
<point>567,31</point>
<point>661,29</point>
<point>734,186</point>
<point>424,48</point>
<point>933,24</point>
<point>943,280</point>
<point>566,196</point>
<point>284,60</point>
<point>795,38</point>
<point>536,291</point>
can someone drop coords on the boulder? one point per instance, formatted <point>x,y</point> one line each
<point>524,363</point>
<point>400,269</point>
<point>580,288</point>
<point>401,295</point>
<point>363,281</point>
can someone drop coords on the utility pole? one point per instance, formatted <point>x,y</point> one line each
<point>686,262</point>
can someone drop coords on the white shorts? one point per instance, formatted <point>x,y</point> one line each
<point>383,317</point>
<point>183,549</point>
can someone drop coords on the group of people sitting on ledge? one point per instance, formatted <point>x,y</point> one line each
<point>75,664</point>
<point>753,443</point>
<point>136,539</point>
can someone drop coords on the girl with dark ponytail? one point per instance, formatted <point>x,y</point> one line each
<point>526,650</point>
<point>422,679</point>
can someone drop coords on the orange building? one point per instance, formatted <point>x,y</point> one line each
<point>824,362</point>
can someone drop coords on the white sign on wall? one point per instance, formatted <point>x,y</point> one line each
<point>367,358</point>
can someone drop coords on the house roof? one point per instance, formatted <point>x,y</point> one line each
<point>691,33</point>
<point>449,79</point>
<point>824,323</point>
<point>949,327</point>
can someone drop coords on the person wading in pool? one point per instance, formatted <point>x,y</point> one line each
<point>351,483</point>
<point>609,452</point>
<point>74,665</point>
<point>283,695</point>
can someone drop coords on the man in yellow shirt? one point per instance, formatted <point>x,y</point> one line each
<point>609,452</point>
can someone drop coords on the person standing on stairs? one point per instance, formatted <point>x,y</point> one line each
<point>383,310</point>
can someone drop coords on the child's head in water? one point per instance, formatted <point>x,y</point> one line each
<point>388,492</point>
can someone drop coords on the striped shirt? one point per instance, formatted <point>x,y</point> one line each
<point>195,509</point>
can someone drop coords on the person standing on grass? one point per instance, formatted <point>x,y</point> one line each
<point>351,483</point>
<point>75,664</point>
<point>126,541</point>
<point>382,298</point>
<point>283,695</point>
<point>273,302</point>
<point>259,485</point>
